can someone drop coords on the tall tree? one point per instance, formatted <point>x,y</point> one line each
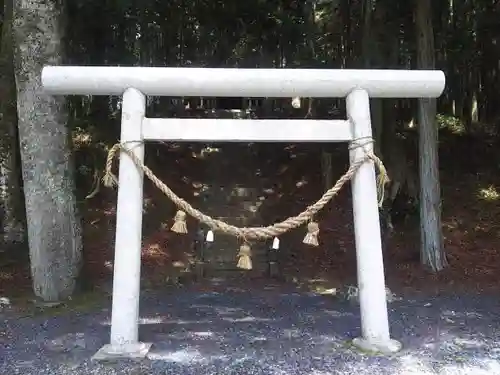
<point>12,215</point>
<point>370,59</point>
<point>431,251</point>
<point>54,229</point>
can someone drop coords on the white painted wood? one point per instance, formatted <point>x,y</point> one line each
<point>370,267</point>
<point>127,265</point>
<point>207,82</point>
<point>229,130</point>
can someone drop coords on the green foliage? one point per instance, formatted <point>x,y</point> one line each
<point>451,123</point>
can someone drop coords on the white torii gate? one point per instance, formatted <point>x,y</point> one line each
<point>135,83</point>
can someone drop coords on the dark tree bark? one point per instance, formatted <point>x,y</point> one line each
<point>12,214</point>
<point>54,229</point>
<point>431,251</point>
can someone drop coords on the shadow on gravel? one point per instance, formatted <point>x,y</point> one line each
<point>265,333</point>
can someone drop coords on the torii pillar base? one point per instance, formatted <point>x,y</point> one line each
<point>385,347</point>
<point>112,352</point>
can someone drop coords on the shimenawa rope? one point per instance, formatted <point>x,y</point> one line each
<point>252,233</point>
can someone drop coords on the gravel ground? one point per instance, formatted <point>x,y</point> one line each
<point>266,332</point>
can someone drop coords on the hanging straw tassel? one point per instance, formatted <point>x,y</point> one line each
<point>382,179</point>
<point>311,237</point>
<point>109,179</point>
<point>179,223</point>
<point>244,257</point>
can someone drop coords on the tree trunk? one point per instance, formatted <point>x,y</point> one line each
<point>431,251</point>
<point>326,155</point>
<point>12,213</point>
<point>371,59</point>
<point>54,229</point>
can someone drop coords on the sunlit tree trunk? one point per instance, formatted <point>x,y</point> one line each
<point>12,214</point>
<point>54,230</point>
<point>431,252</point>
